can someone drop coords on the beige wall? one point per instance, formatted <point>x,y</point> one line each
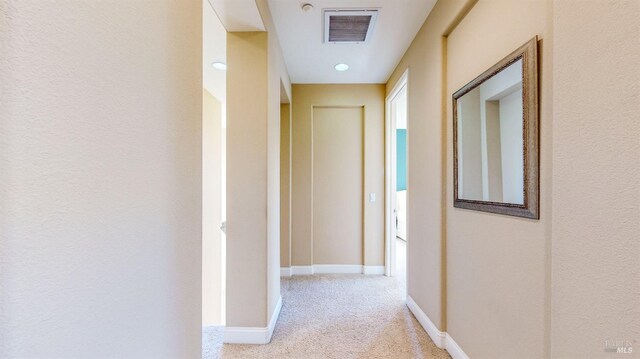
<point>247,128</point>
<point>285,187</point>
<point>278,80</point>
<point>255,74</point>
<point>100,204</point>
<point>484,277</point>
<point>596,166</point>
<point>337,168</point>
<point>497,266</point>
<point>477,276</point>
<point>304,98</point>
<point>211,210</point>
<point>426,143</point>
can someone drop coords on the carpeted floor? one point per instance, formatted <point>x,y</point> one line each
<point>337,316</point>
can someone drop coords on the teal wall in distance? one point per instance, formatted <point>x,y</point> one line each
<point>401,159</point>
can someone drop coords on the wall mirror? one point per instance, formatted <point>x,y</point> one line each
<point>495,137</point>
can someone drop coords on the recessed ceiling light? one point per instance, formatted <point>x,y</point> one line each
<point>307,8</point>
<point>342,67</point>
<point>219,66</point>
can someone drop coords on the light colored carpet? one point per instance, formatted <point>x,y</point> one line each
<point>337,316</point>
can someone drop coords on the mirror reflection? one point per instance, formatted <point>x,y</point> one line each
<point>490,139</point>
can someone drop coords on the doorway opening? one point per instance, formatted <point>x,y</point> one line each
<point>214,46</point>
<point>396,180</point>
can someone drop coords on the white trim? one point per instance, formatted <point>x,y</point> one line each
<point>245,335</point>
<point>274,317</point>
<point>301,270</point>
<point>389,181</point>
<point>337,269</point>
<point>373,270</point>
<point>253,335</point>
<point>402,82</point>
<point>285,271</point>
<point>438,337</point>
<point>454,349</point>
<point>441,339</point>
<point>331,269</point>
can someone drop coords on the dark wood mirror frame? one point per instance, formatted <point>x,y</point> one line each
<point>530,208</point>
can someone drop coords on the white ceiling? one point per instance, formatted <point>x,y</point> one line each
<point>309,60</point>
<point>214,49</point>
<point>238,15</point>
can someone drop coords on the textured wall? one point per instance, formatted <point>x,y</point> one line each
<point>255,76</point>
<point>565,285</point>
<point>100,157</point>
<point>596,166</point>
<point>497,266</point>
<point>304,98</point>
<point>247,179</point>
<point>465,268</point>
<point>337,177</point>
<point>278,80</point>
<point>426,178</point>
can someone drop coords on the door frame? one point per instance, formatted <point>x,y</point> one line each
<point>390,173</point>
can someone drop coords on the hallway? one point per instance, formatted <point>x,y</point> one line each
<point>338,316</point>
<point>130,131</point>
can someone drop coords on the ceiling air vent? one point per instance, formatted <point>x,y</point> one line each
<point>348,26</point>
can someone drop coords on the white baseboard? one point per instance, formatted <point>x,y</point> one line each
<point>373,270</point>
<point>438,337</point>
<point>253,335</point>
<point>285,271</point>
<point>337,269</point>
<point>331,269</point>
<point>274,318</point>
<point>454,349</point>
<point>441,339</point>
<point>301,270</point>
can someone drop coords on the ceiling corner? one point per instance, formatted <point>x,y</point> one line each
<point>238,15</point>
